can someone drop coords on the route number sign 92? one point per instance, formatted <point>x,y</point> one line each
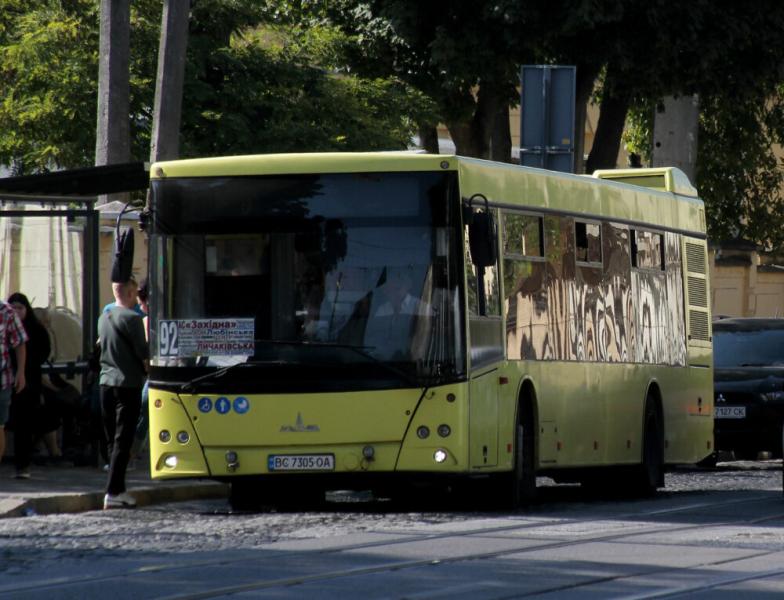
<point>168,339</point>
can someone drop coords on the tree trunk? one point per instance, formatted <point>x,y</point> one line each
<point>428,138</point>
<point>484,118</point>
<point>472,138</point>
<point>607,142</point>
<point>167,112</point>
<point>501,139</point>
<point>586,77</point>
<point>462,137</point>
<point>113,137</point>
<point>675,132</point>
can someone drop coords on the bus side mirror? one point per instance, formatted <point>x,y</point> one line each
<point>482,240</point>
<point>482,235</point>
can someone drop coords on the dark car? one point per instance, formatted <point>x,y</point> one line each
<point>748,360</point>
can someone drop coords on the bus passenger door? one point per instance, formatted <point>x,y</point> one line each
<point>485,339</point>
<point>483,415</point>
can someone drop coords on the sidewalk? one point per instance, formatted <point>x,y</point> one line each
<point>54,490</point>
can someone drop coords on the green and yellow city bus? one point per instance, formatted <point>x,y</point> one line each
<point>369,320</point>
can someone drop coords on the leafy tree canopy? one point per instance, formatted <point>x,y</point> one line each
<point>47,67</point>
<point>739,175</point>
<point>249,87</point>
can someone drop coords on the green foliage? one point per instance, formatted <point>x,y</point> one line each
<point>47,66</point>
<point>279,90</point>
<point>49,70</point>
<point>638,135</point>
<point>249,87</point>
<point>305,75</point>
<point>463,55</point>
<point>738,173</point>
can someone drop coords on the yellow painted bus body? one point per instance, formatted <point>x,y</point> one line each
<point>588,413</point>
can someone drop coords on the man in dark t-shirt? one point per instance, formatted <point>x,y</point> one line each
<point>124,363</point>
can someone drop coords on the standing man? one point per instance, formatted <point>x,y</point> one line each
<point>12,336</point>
<point>124,364</point>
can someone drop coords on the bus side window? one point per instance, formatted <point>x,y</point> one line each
<point>647,250</point>
<point>484,297</point>
<point>588,243</point>
<point>484,310</point>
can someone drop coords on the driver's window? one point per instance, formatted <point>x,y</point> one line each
<point>484,310</point>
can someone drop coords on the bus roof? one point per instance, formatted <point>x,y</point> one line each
<point>303,163</point>
<point>582,196</point>
<point>662,197</point>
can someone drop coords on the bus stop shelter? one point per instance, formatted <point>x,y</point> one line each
<point>49,250</point>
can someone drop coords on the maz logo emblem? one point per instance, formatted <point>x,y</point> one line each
<point>299,426</point>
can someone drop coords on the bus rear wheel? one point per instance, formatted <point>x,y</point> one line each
<point>649,475</point>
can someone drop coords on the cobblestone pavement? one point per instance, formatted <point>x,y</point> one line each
<point>207,525</point>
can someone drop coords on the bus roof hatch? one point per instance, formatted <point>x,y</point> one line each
<point>665,179</point>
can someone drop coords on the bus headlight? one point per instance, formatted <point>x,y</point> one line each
<point>170,461</point>
<point>164,436</point>
<point>444,430</point>
<point>439,455</point>
<point>183,437</point>
<point>423,432</point>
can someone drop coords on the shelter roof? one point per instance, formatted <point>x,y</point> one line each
<point>89,181</point>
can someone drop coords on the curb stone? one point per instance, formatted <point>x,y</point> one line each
<point>86,501</point>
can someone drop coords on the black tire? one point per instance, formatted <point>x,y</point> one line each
<point>749,454</point>
<point>526,475</point>
<point>649,476</point>
<point>253,494</point>
<point>710,461</point>
<point>518,488</point>
<point>244,495</point>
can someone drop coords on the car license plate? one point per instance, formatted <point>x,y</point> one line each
<point>301,462</point>
<point>729,412</point>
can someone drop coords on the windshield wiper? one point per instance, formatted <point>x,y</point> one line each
<point>188,386</point>
<point>360,350</point>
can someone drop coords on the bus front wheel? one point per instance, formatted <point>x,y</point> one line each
<point>518,488</point>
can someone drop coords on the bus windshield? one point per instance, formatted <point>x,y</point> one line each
<point>307,278</point>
